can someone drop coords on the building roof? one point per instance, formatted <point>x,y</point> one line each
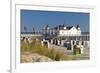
<point>61,27</point>
<point>69,27</point>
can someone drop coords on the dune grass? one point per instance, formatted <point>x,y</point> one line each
<point>36,47</point>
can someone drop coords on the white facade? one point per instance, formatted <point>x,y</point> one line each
<point>70,32</point>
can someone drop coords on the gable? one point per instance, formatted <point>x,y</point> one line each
<point>73,29</point>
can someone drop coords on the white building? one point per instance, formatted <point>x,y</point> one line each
<point>69,31</point>
<point>62,30</point>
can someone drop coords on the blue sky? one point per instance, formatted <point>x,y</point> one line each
<point>38,19</point>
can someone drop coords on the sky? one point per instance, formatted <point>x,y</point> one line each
<point>39,19</point>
